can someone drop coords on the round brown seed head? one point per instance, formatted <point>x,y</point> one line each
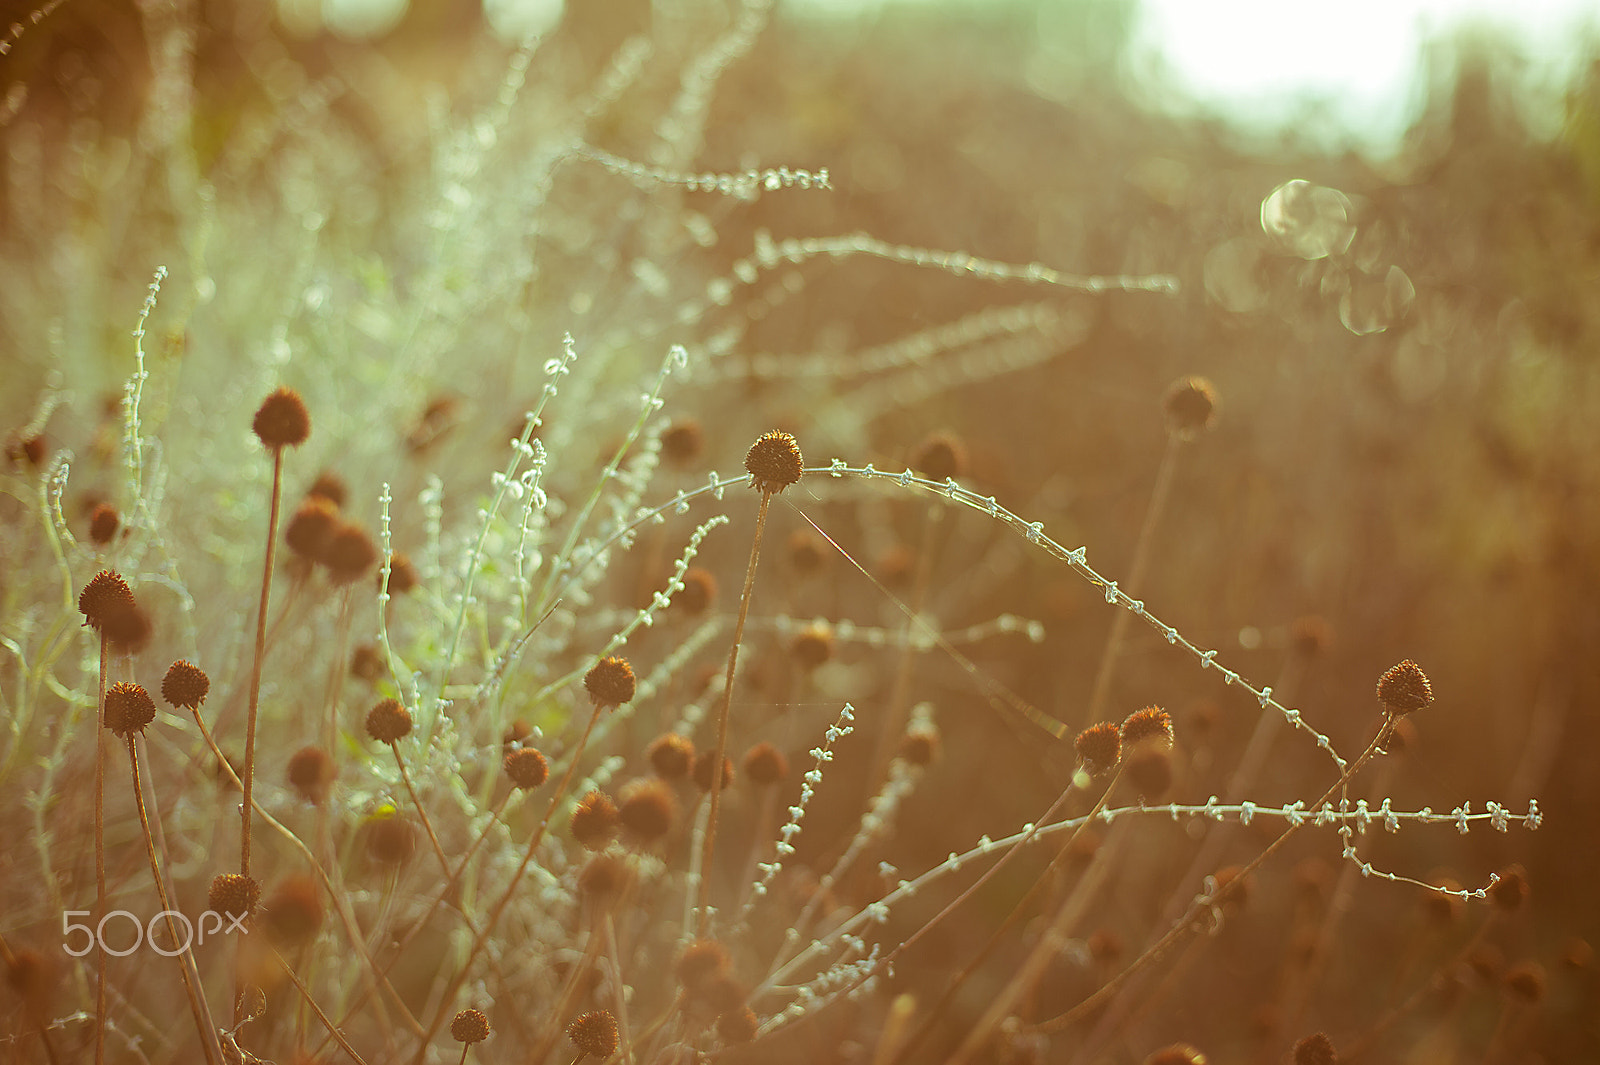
<point>329,486</point>
<point>234,895</point>
<point>391,840</point>
<point>1404,688</point>
<point>702,770</point>
<point>765,765</point>
<point>25,450</point>
<point>699,591</point>
<point>526,767</point>
<point>940,457</point>
<point>1099,747</point>
<point>774,462</point>
<point>1152,724</point>
<point>671,756</point>
<point>402,574</point>
<point>1525,981</point>
<point>185,685</point>
<point>604,876</point>
<point>105,596</point>
<point>104,523</point>
<point>348,554</point>
<point>1150,771</point>
<point>594,821</point>
<point>282,420</point>
<point>813,646</point>
<point>699,963</point>
<point>594,1033</point>
<point>805,552</point>
<point>366,662</point>
<point>129,708</point>
<point>389,721</point>
<point>311,774</point>
<point>1315,1050</point>
<point>1510,891</point>
<point>1177,1054</point>
<point>311,527</point>
<point>515,733</point>
<point>469,1026</point>
<point>1191,406</point>
<point>294,911</point>
<point>647,810</point>
<point>738,1026</point>
<point>920,745</point>
<point>610,682</point>
<point>683,442</point>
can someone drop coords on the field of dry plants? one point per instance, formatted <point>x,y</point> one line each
<point>723,535</point>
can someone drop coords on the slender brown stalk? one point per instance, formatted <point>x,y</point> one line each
<point>100,856</point>
<point>255,666</point>
<point>422,812</point>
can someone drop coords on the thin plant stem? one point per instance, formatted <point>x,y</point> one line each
<point>305,995</point>
<point>255,666</point>
<point>722,719</point>
<point>100,856</point>
<point>422,812</point>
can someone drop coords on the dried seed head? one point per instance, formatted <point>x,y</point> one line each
<point>311,774</point>
<point>1315,1050</point>
<point>282,420</point>
<point>1100,748</point>
<point>294,911</point>
<point>647,810</point>
<point>1191,406</point>
<point>1150,725</point>
<point>366,662</point>
<point>1177,1054</point>
<point>329,486</point>
<point>736,1027</point>
<point>526,767</point>
<point>1150,771</point>
<point>805,552</point>
<point>594,821</point>
<point>1525,981</point>
<point>1510,890</point>
<point>106,601</point>
<point>234,895</point>
<point>391,840</point>
<point>469,1026</point>
<point>604,876</point>
<point>402,574</point>
<point>311,527</point>
<point>940,457</point>
<point>104,523</point>
<point>185,685</point>
<point>25,450</point>
<point>920,745</point>
<point>516,732</point>
<point>348,554</point>
<point>1404,688</point>
<point>594,1033</point>
<point>609,682</point>
<point>388,721</point>
<point>671,756</point>
<point>699,591</point>
<point>774,462</point>
<point>702,770</point>
<point>1310,636</point>
<point>699,963</point>
<point>813,646</point>
<point>683,442</point>
<point>129,708</point>
<point>765,765</point>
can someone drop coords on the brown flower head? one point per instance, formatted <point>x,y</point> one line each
<point>647,810</point>
<point>348,554</point>
<point>389,721</point>
<point>594,1033</point>
<point>774,462</point>
<point>105,595</point>
<point>699,591</point>
<point>1404,688</point>
<point>594,821</point>
<point>1100,748</point>
<point>813,646</point>
<point>366,662</point>
<point>671,756</point>
<point>469,1026</point>
<point>402,574</point>
<point>234,895</point>
<point>737,1026</point>
<point>1310,636</point>
<point>699,963</point>
<point>1510,890</point>
<point>129,708</point>
<point>311,774</point>
<point>604,876</point>
<point>104,523</point>
<point>185,685</point>
<point>1315,1049</point>
<point>294,911</point>
<point>1191,407</point>
<point>610,682</point>
<point>940,457</point>
<point>1150,771</point>
<point>391,839</point>
<point>1150,725</point>
<point>526,767</point>
<point>329,486</point>
<point>765,765</point>
<point>311,527</point>
<point>702,770</point>
<point>805,553</point>
<point>282,420</point>
<point>683,442</point>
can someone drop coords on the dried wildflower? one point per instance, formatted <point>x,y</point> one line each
<point>774,462</point>
<point>311,774</point>
<point>610,682</point>
<point>469,1026</point>
<point>594,1033</point>
<point>349,553</point>
<point>104,523</point>
<point>389,721</point>
<point>105,597</point>
<point>25,450</point>
<point>185,685</point>
<point>526,767</point>
<point>813,646</point>
<point>646,810</point>
<point>402,574</point>
<point>699,963</point>
<point>737,1026</point>
<point>702,770</point>
<point>683,442</point>
<point>391,840</point>
<point>1099,747</point>
<point>282,420</point>
<point>1404,688</point>
<point>698,592</point>
<point>1150,771</point>
<point>310,528</point>
<point>329,486</point>
<point>1524,981</point>
<point>233,895</point>
<point>1510,890</point>
<point>293,912</point>
<point>1315,1049</point>
<point>920,745</point>
<point>366,662</point>
<point>671,756</point>
<point>604,876</point>
<point>765,765</point>
<point>940,457</point>
<point>1150,724</point>
<point>129,708</point>
<point>1191,407</point>
<point>594,821</point>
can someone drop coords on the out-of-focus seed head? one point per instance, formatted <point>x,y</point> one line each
<point>1315,1049</point>
<point>813,646</point>
<point>293,912</point>
<point>940,457</point>
<point>604,876</point>
<point>765,765</point>
<point>348,554</point>
<point>699,963</point>
<point>594,1033</point>
<point>1149,769</point>
<point>366,663</point>
<point>921,743</point>
<point>703,770</point>
<point>683,442</point>
<point>1310,636</point>
<point>233,895</point>
<point>1404,688</point>
<point>526,767</point>
<point>671,756</point>
<point>310,528</point>
<point>1443,908</point>
<point>647,810</point>
<point>736,1027</point>
<point>594,821</point>
<point>129,708</point>
<point>311,774</point>
<point>329,486</point>
<point>1191,407</point>
<point>774,462</point>
<point>185,685</point>
<point>1099,747</point>
<point>469,1026</point>
<point>1510,890</point>
<point>282,420</point>
<point>610,682</point>
<point>698,593</point>
<point>1525,982</point>
<point>104,523</point>
<point>389,721</point>
<point>805,552</point>
<point>402,574</point>
<point>391,839</point>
